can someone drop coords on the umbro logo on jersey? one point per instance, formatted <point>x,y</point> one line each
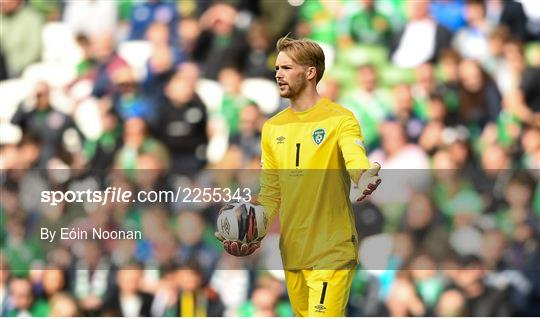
<point>319,135</point>
<point>320,308</point>
<point>280,140</point>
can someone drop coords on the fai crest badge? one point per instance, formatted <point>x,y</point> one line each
<point>319,135</point>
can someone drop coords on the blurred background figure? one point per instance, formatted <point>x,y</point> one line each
<point>150,11</point>
<point>91,17</point>
<point>20,35</point>
<point>23,302</point>
<point>128,300</point>
<point>182,122</point>
<point>64,305</point>
<point>38,118</point>
<point>422,39</point>
<point>193,298</point>
<point>220,43</point>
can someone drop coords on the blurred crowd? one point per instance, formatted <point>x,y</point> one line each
<point>154,94</point>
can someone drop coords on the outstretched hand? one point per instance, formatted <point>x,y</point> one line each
<point>236,247</point>
<point>369,181</point>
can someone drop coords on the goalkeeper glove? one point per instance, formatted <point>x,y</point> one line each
<point>368,182</point>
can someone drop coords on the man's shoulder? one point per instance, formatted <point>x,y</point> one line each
<point>335,109</point>
<point>279,118</point>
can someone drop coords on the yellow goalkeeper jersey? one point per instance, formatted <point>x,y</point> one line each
<point>308,160</point>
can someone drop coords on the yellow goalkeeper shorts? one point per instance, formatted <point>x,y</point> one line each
<point>319,293</point>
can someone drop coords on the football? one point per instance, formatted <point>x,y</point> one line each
<point>244,222</point>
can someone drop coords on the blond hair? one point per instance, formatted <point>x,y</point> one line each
<point>304,52</point>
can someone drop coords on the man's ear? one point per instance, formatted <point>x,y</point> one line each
<point>311,72</point>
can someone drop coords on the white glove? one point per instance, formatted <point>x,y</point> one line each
<point>368,182</point>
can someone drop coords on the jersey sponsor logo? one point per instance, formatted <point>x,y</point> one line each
<point>320,308</point>
<point>319,135</point>
<point>280,140</point>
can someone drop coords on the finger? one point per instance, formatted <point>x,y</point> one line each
<point>253,248</point>
<point>229,248</point>
<point>374,169</point>
<point>234,248</point>
<point>244,249</point>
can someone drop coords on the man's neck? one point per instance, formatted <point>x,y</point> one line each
<point>305,101</point>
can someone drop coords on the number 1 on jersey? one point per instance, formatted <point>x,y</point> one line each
<point>297,154</point>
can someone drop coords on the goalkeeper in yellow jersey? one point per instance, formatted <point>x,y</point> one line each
<point>311,151</point>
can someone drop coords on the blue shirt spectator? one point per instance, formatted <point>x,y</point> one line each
<point>152,11</point>
<point>449,13</point>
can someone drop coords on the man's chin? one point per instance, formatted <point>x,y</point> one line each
<point>285,94</point>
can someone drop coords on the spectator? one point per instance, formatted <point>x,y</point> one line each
<point>369,25</point>
<point>53,282</point>
<point>220,44</point>
<point>91,278</point>
<point>24,303</point>
<point>233,99</point>
<point>426,84</point>
<point>100,152</point>
<point>182,122</point>
<point>403,300</point>
<point>161,64</point>
<point>103,52</point>
<point>509,14</point>
<point>426,227</point>
<point>128,301</point>
<point>127,99</point>
<point>481,299</point>
<point>496,41</point>
<point>150,11</point>
<point>63,305</point>
<point>49,9</point>
<point>479,97</point>
<point>406,111</point>
<point>137,141</point>
<point>396,148</point>
<point>262,304</point>
<point>259,60</point>
<point>38,118</point>
<point>449,66</point>
<point>472,40</point>
<point>422,39</point>
<point>190,287</point>
<point>525,101</point>
<point>451,304</point>
<point>20,35</point>
<point>249,136</point>
<point>449,13</point>
<point>190,230</point>
<point>369,102</point>
<point>428,284</point>
<point>90,17</point>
